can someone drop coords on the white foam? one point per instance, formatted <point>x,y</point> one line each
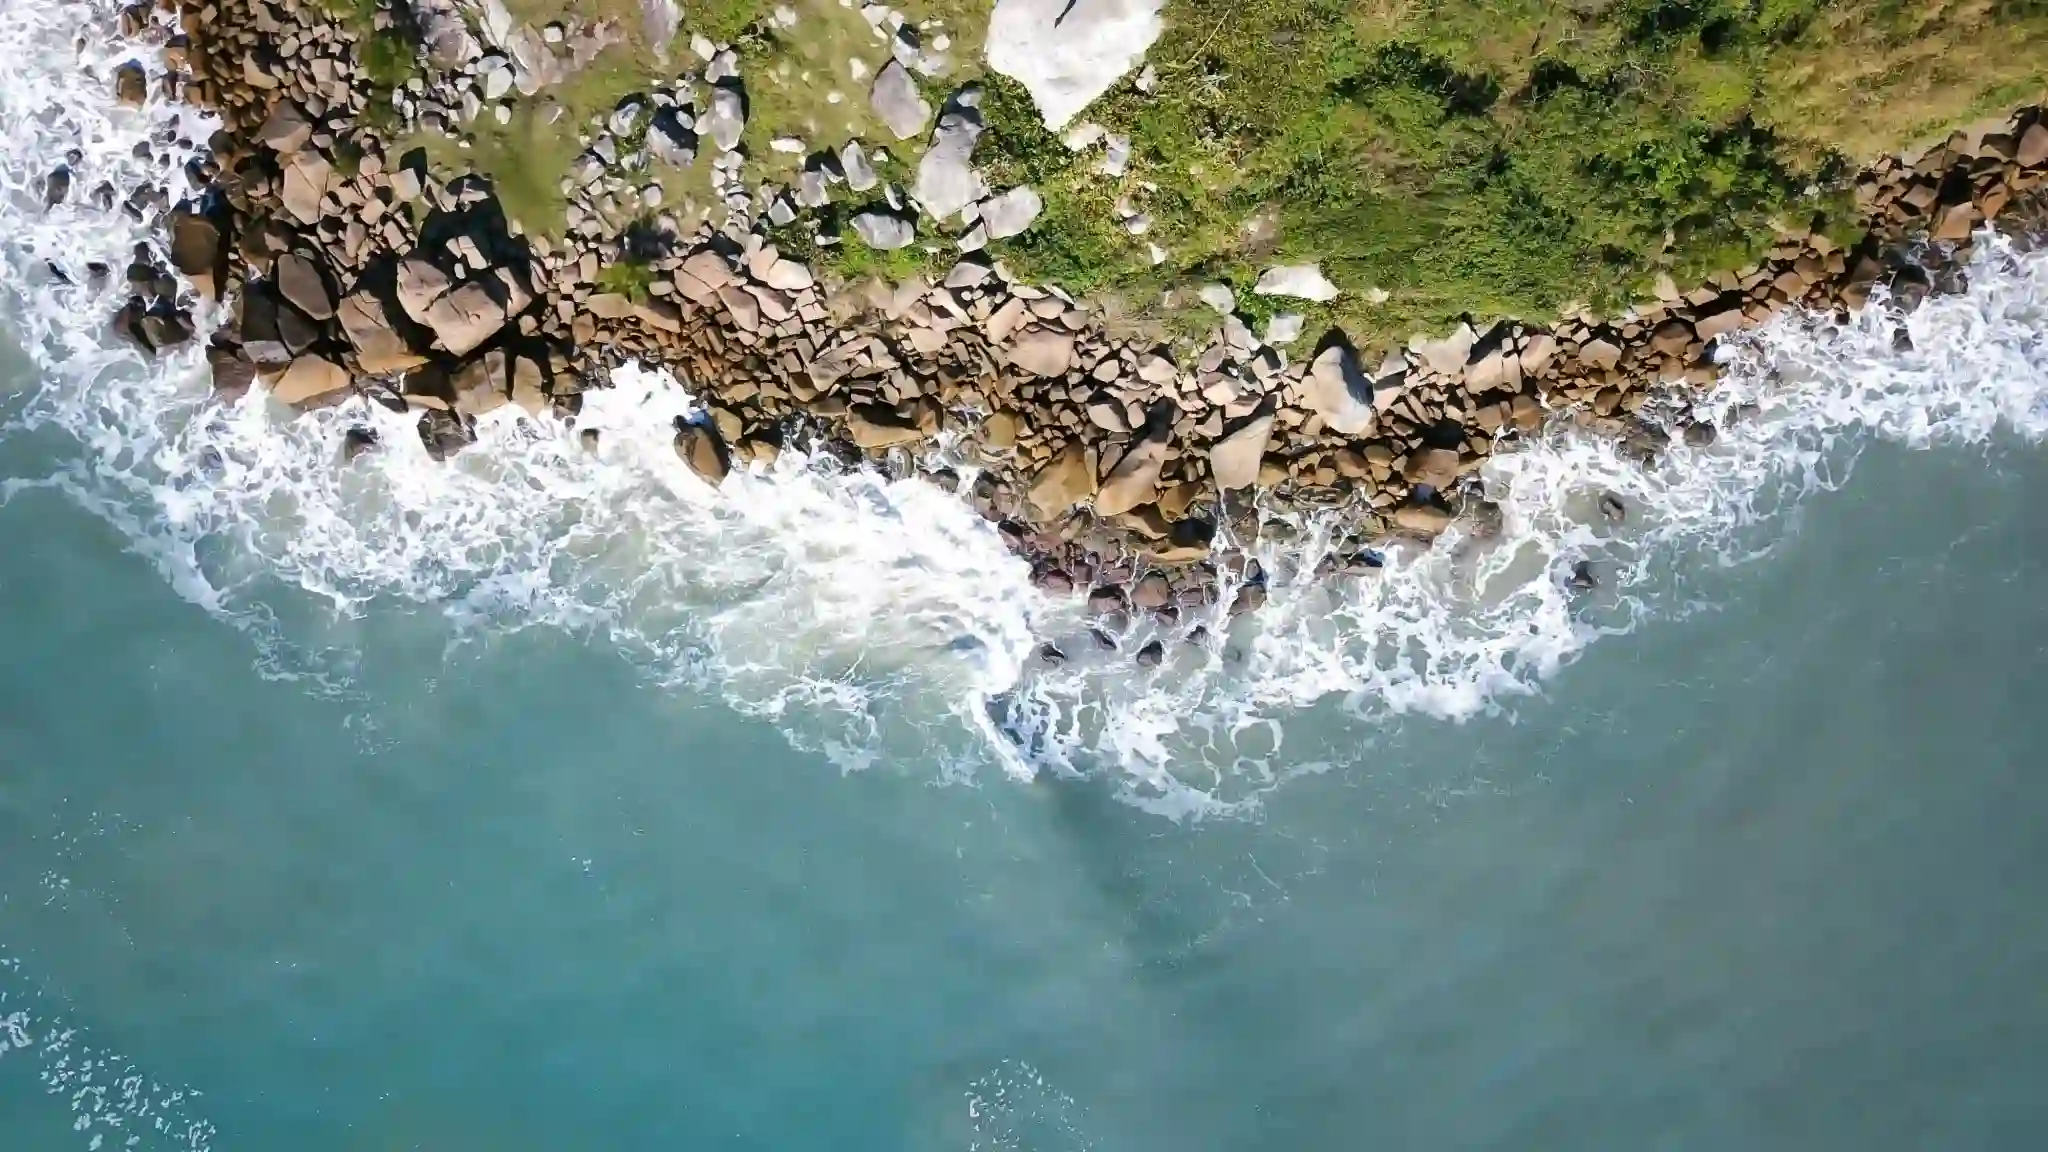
<point>876,618</point>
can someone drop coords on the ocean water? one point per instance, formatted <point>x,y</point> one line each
<point>548,799</point>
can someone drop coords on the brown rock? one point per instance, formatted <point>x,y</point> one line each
<point>1135,478</point>
<point>1043,352</point>
<point>286,129</point>
<point>378,346</point>
<point>131,83</point>
<point>419,285</point>
<point>310,377</point>
<point>1234,459</point>
<point>702,275</point>
<point>703,451</point>
<point>1437,467</point>
<point>197,251</point>
<point>1065,480</point>
<point>300,281</point>
<point>466,317</point>
<point>999,431</point>
<point>1601,353</point>
<point>305,182</point>
<point>1422,519</point>
<point>1672,337</point>
<point>875,426</point>
<point>2033,147</point>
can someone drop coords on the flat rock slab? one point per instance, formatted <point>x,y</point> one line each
<point>1068,52</point>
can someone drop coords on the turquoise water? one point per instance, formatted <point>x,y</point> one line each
<point>1762,877</point>
<point>548,799</point>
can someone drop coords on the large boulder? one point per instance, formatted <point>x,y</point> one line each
<point>1234,460</point>
<point>1065,480</point>
<point>1339,391</point>
<point>286,129</point>
<point>378,346</point>
<point>884,230</point>
<point>946,180</point>
<point>300,280</point>
<point>310,377</point>
<point>726,119</point>
<point>1043,352</point>
<point>198,252</point>
<point>305,182</point>
<point>1302,281</point>
<point>896,99</point>
<point>1068,52</point>
<point>874,427</point>
<point>1135,478</point>
<point>466,317</point>
<point>131,83</point>
<point>699,447</point>
<point>1011,212</point>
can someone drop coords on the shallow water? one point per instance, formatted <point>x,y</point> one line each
<point>553,800</point>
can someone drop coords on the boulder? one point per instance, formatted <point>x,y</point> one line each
<point>946,180</point>
<point>57,186</point>
<point>482,385</point>
<point>787,275</point>
<point>699,447</point>
<point>1012,212</point>
<point>1301,281</point>
<point>860,176</point>
<point>131,83</point>
<point>1437,467</point>
<point>1067,52</point>
<point>305,182</point>
<point>1422,519</point>
<point>1065,480</point>
<point>197,251</point>
<point>300,280</point>
<point>1446,356</point>
<point>726,119</point>
<point>466,317</point>
<point>420,283</point>
<point>896,99</point>
<point>286,129</point>
<point>378,346</point>
<point>1337,389</point>
<point>702,275</point>
<point>1234,459</point>
<point>1135,478</point>
<point>309,377</point>
<point>883,230</point>
<point>1043,352</point>
<point>875,426</point>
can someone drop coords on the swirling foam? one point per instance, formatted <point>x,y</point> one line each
<point>874,616</point>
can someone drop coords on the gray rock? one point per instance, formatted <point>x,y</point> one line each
<point>1011,212</point>
<point>946,180</point>
<point>1339,391</point>
<point>859,176</point>
<point>300,281</point>
<point>1284,328</point>
<point>56,186</point>
<point>1219,297</point>
<point>896,99</point>
<point>1116,157</point>
<point>669,140</point>
<point>727,118</point>
<point>882,230</point>
<point>811,190</point>
<point>1302,281</point>
<point>1234,460</point>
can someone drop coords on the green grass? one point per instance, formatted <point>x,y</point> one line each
<point>628,278</point>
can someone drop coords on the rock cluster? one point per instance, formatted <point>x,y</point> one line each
<point>1116,466</point>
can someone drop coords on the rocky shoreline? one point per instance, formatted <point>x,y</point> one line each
<point>1119,468</point>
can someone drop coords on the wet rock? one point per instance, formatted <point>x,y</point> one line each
<point>1107,598</point>
<point>131,83</point>
<point>1151,655</point>
<point>896,99</point>
<point>444,432</point>
<point>1422,519</point>
<point>700,447</point>
<point>1065,480</point>
<point>310,377</point>
<point>1583,578</point>
<point>1249,598</point>
<point>1612,507</point>
<point>1050,655</point>
<point>589,439</point>
<point>56,186</point>
<point>874,427</point>
<point>197,251</point>
<point>356,441</point>
<point>1700,434</point>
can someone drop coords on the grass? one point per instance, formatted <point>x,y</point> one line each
<point>628,278</point>
<point>1490,157</point>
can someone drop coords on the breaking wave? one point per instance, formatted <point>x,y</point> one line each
<point>871,615</point>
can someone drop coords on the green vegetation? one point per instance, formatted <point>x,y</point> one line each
<point>1436,157</point>
<point>628,278</point>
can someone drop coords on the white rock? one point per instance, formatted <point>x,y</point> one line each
<point>1012,212</point>
<point>703,47</point>
<point>1285,328</point>
<point>1302,281</point>
<point>787,144</point>
<point>1116,155</point>
<point>1219,297</point>
<point>896,99</point>
<point>1068,52</point>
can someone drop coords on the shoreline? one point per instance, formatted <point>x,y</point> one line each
<point>1112,466</point>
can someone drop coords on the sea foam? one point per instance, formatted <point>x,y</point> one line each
<point>874,616</point>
